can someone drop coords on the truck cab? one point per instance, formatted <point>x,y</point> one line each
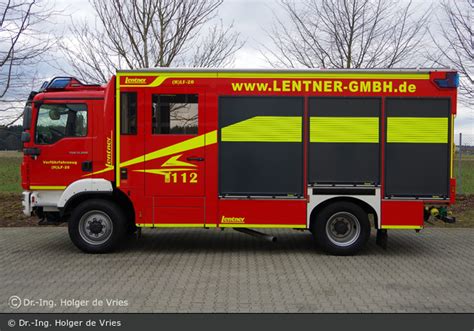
<point>63,123</point>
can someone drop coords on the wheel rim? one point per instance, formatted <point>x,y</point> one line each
<point>95,227</point>
<point>343,229</point>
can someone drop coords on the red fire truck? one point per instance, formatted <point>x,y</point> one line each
<point>335,152</point>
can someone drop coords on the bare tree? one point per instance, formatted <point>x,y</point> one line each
<point>21,47</point>
<point>345,34</point>
<point>131,34</point>
<point>455,44</point>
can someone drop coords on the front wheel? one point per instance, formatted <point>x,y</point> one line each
<point>341,228</point>
<point>97,226</point>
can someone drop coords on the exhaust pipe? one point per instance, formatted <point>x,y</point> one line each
<point>257,234</point>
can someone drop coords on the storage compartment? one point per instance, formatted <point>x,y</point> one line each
<point>261,146</point>
<point>344,140</point>
<point>402,214</point>
<point>417,151</point>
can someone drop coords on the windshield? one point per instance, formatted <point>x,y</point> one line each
<point>56,121</point>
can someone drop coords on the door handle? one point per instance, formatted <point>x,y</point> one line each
<point>194,158</point>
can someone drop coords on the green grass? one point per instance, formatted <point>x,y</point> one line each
<point>467,174</point>
<point>10,179</point>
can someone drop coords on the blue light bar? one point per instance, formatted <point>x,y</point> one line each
<point>451,80</point>
<point>59,83</point>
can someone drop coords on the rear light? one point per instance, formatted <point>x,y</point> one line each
<point>451,80</point>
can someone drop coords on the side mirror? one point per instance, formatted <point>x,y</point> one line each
<point>25,137</point>
<point>32,151</point>
<point>54,114</point>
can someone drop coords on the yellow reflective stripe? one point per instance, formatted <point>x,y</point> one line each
<point>175,225</point>
<point>265,129</point>
<point>417,130</point>
<point>45,188</point>
<point>193,143</point>
<point>101,171</point>
<point>174,161</point>
<point>164,171</point>
<point>162,76</point>
<point>453,147</point>
<point>207,139</point>
<point>117,133</point>
<point>402,227</point>
<point>210,138</point>
<point>260,226</point>
<point>108,168</point>
<point>344,129</point>
<point>325,75</point>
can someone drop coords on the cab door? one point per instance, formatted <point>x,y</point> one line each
<point>62,144</point>
<point>175,155</point>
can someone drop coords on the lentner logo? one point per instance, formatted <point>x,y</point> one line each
<point>135,80</point>
<point>109,159</point>
<point>232,219</point>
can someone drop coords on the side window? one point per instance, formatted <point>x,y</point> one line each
<point>175,114</point>
<point>56,121</point>
<point>128,113</point>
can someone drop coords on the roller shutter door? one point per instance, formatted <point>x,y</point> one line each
<point>344,140</point>
<point>261,146</point>
<point>417,147</point>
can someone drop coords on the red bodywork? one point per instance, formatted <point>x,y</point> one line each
<point>186,203</point>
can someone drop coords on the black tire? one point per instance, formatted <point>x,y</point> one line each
<point>131,229</point>
<point>100,218</point>
<point>341,228</point>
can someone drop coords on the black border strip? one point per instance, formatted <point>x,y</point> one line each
<point>344,191</point>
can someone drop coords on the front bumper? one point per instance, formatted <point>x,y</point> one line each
<point>26,203</point>
<point>46,200</point>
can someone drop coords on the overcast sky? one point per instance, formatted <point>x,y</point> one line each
<point>250,19</point>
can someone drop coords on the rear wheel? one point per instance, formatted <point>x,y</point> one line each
<point>97,226</point>
<point>341,228</point>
